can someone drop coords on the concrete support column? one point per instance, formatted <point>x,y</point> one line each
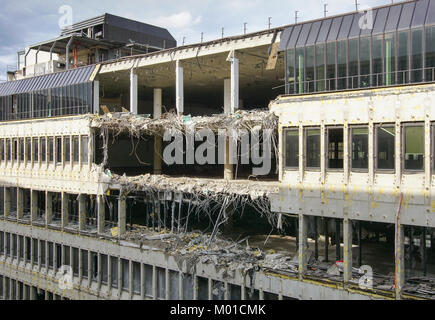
<point>101,214</point>
<point>82,212</point>
<point>133,91</point>
<point>20,203</point>
<point>33,205</point>
<point>303,244</point>
<point>96,100</point>
<point>179,87</point>
<point>80,266</point>
<point>65,210</point>
<point>48,207</point>
<point>228,167</point>
<point>122,216</point>
<point>399,248</point>
<point>7,202</point>
<point>347,249</point>
<point>157,113</point>
<point>234,81</point>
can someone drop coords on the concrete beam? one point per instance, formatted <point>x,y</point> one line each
<point>157,113</point>
<point>133,91</point>
<point>399,251</point>
<point>179,87</point>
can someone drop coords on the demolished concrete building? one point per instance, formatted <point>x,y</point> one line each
<point>344,211</point>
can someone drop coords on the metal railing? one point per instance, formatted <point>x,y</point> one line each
<point>46,113</point>
<point>362,81</point>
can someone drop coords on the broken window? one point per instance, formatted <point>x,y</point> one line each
<point>414,147</point>
<point>385,142</point>
<point>335,148</point>
<point>312,148</point>
<point>360,148</point>
<point>291,148</point>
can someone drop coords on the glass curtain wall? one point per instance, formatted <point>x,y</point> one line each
<point>384,59</point>
<point>71,100</point>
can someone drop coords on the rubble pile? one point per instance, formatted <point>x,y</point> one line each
<point>139,125</point>
<point>208,187</point>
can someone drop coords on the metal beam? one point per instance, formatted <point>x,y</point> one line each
<point>67,52</point>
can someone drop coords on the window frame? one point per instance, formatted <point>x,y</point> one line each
<point>350,130</point>
<point>376,126</point>
<point>284,133</point>
<point>306,167</point>
<point>327,128</point>
<point>403,145</point>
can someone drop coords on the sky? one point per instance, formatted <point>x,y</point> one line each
<point>26,22</point>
